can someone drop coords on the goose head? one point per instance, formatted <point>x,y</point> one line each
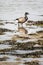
<point>26,17</point>
<point>26,13</point>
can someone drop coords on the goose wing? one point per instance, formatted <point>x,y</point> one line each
<point>21,19</point>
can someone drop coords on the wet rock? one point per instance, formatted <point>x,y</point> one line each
<point>9,22</point>
<point>28,56</point>
<point>37,45</point>
<point>3,58</point>
<point>40,42</point>
<point>32,63</point>
<point>33,56</point>
<point>38,23</point>
<point>2,33</point>
<point>5,30</point>
<point>1,23</point>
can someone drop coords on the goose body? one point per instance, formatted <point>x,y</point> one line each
<point>23,19</point>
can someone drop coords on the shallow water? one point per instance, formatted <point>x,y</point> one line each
<point>11,9</point>
<point>16,46</point>
<point>23,50</point>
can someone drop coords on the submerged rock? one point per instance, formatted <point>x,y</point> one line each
<point>3,58</point>
<point>32,63</point>
<point>35,22</point>
<point>1,23</point>
<point>5,30</point>
<point>2,33</point>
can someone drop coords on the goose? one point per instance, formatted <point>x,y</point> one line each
<point>23,19</point>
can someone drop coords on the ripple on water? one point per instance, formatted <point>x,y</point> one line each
<point>17,55</point>
<point>3,46</point>
<point>4,37</point>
